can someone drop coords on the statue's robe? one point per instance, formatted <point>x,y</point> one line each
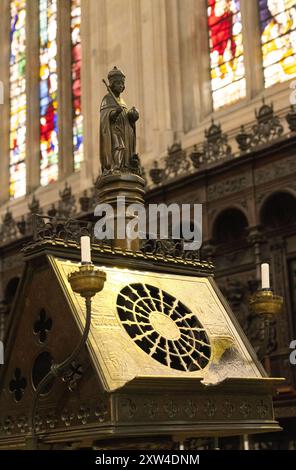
<point>118,135</point>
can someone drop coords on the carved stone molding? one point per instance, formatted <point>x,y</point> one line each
<point>267,128</point>
<point>8,425</point>
<point>8,229</point>
<point>34,206</point>
<point>66,204</point>
<point>85,202</point>
<point>274,171</point>
<point>176,161</point>
<point>83,414</point>
<point>210,408</point>
<point>137,408</point>
<point>229,186</point>
<point>291,118</point>
<point>52,420</point>
<point>151,408</point>
<point>190,408</point>
<point>67,417</point>
<point>170,409</point>
<point>259,197</point>
<point>228,408</point>
<point>193,408</point>
<point>215,146</point>
<point>128,408</point>
<point>22,424</point>
<point>101,412</point>
<point>245,409</point>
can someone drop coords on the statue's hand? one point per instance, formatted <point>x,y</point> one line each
<point>115,113</point>
<point>133,114</point>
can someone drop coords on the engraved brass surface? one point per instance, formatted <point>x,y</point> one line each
<point>119,359</point>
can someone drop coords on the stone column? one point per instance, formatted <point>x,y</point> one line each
<point>65,105</point>
<point>137,61</point>
<point>201,62</point>
<point>252,48</point>
<point>164,133</point>
<point>32,87</point>
<point>175,65</point>
<point>148,113</point>
<point>256,238</point>
<point>280,287</point>
<point>93,69</point>
<point>156,113</point>
<point>194,63</point>
<point>284,325</point>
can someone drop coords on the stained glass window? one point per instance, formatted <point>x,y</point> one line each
<point>278,38</point>
<point>48,92</point>
<point>76,83</point>
<point>17,166</point>
<point>226,52</point>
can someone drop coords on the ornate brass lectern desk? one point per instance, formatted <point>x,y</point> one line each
<point>165,356</point>
<point>164,360</point>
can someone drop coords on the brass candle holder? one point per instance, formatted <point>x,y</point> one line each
<point>86,281</point>
<point>266,304</point>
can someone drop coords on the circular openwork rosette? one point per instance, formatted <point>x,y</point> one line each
<point>163,327</point>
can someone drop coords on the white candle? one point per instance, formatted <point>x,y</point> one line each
<point>265,276</point>
<point>246,442</point>
<point>85,249</point>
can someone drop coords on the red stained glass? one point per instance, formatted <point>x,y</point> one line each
<point>226,52</point>
<point>48,92</point>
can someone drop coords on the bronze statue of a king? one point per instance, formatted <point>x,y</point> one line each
<point>117,127</point>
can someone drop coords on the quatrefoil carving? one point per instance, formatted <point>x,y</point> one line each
<point>18,384</point>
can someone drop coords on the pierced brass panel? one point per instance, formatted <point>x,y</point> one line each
<point>115,344</point>
<point>163,327</point>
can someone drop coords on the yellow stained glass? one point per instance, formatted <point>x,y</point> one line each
<point>278,38</point>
